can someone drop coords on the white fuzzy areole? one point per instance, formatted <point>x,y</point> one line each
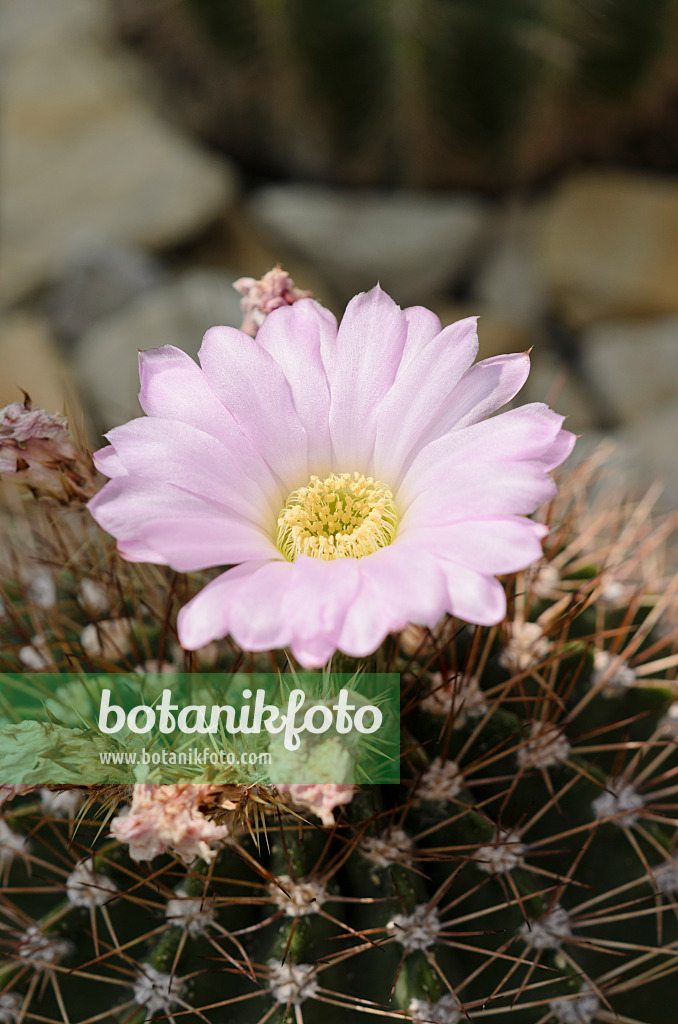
<point>292,984</point>
<point>620,804</point>
<point>546,747</point>
<point>156,991</point>
<point>418,930</point>
<point>305,896</point>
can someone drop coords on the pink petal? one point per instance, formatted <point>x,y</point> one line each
<point>487,386</point>
<point>316,604</point>
<point>557,452</point>
<point>421,395</point>
<point>252,386</point>
<point>301,604</point>
<point>168,450</point>
<point>181,529</point>
<point>132,549</point>
<point>397,586</point>
<point>107,461</point>
<point>255,621</point>
<point>369,347</point>
<point>489,546</point>
<point>174,387</point>
<point>296,336</point>
<point>489,488</point>
<point>203,541</point>
<point>474,597</point>
<point>245,602</point>
<point>531,432</point>
<point>207,616</point>
<point>422,326</point>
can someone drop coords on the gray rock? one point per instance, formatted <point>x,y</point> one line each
<point>634,363</point>
<point>98,279</point>
<point>511,281</point>
<point>105,360</point>
<point>653,442</point>
<point>413,244</point>
<point>608,246</point>
<point>83,151</point>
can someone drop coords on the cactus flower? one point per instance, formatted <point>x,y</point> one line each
<point>354,477</point>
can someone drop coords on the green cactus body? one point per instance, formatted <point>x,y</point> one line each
<point>524,869</point>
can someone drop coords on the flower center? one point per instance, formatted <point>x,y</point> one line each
<point>342,516</point>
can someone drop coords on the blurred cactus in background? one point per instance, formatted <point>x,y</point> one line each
<point>417,92</point>
<point>525,867</point>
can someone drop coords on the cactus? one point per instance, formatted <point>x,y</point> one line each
<point>439,92</point>
<point>525,867</point>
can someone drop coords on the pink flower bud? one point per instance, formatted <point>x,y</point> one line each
<point>320,799</point>
<point>259,298</point>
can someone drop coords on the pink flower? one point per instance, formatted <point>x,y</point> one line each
<point>351,476</point>
<point>275,289</point>
<point>168,818</point>
<point>320,799</point>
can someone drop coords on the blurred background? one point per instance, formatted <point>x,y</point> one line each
<point>512,158</point>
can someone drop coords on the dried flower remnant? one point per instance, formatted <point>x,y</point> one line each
<point>320,799</point>
<point>260,297</point>
<point>8,792</point>
<point>170,819</point>
<point>353,476</point>
<point>37,449</point>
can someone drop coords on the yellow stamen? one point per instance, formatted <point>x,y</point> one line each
<point>342,516</point>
